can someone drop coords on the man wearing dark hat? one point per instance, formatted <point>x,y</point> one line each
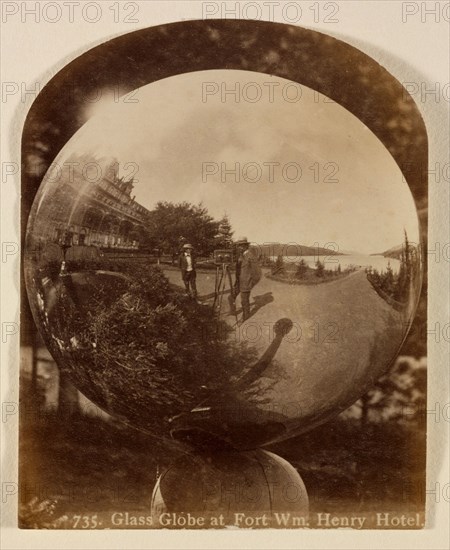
<point>248,273</point>
<point>187,263</point>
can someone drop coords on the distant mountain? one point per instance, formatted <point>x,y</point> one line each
<point>394,252</point>
<point>277,249</point>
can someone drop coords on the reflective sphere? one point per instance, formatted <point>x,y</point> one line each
<point>250,489</point>
<point>315,323</point>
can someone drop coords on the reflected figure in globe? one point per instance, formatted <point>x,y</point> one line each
<point>248,275</point>
<point>187,263</point>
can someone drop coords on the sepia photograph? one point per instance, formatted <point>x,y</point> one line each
<point>223,287</point>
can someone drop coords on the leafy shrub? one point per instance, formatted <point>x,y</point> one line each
<point>278,268</point>
<point>302,268</point>
<point>150,344</point>
<point>320,269</point>
<point>39,515</point>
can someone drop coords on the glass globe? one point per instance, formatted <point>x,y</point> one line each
<point>337,268</point>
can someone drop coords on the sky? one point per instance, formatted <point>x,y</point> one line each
<point>283,139</point>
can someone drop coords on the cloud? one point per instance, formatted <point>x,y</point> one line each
<point>350,190</point>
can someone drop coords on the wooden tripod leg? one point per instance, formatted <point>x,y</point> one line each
<point>230,281</point>
<point>216,287</point>
<point>222,283</point>
<point>218,283</point>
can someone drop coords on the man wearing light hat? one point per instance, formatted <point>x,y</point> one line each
<point>187,262</point>
<point>248,273</point>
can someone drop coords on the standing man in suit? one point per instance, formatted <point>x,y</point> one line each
<point>248,274</point>
<point>187,263</point>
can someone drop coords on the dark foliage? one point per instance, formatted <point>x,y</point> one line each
<point>137,336</point>
<point>397,286</point>
<point>191,222</point>
<point>320,269</point>
<point>347,467</point>
<point>302,268</point>
<point>278,268</point>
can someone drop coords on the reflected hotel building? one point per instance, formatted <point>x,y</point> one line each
<point>103,212</point>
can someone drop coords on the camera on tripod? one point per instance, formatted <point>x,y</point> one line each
<point>223,260</point>
<point>223,257</point>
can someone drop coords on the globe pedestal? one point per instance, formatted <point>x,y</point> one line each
<point>251,489</point>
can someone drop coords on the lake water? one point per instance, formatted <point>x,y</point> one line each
<point>379,263</point>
